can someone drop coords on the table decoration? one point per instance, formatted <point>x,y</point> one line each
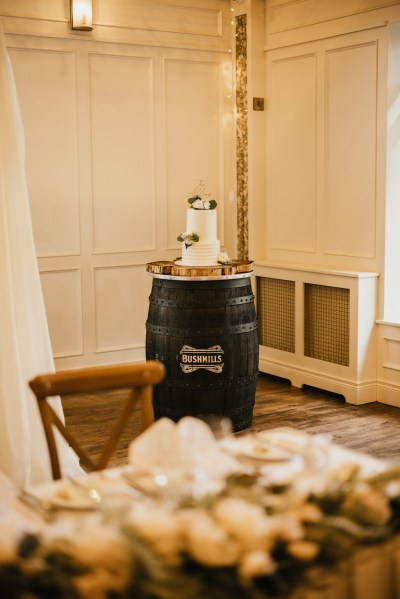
<point>250,540</point>
<point>177,458</point>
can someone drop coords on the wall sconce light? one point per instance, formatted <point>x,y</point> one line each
<point>81,15</point>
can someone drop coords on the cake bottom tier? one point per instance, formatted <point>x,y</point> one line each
<point>201,254</point>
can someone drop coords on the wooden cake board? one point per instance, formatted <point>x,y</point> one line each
<point>165,267</point>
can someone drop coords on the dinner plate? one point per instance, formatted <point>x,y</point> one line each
<point>257,449</point>
<point>173,484</point>
<point>264,453</point>
<point>69,498</point>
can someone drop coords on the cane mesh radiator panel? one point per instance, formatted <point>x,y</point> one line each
<point>327,323</point>
<point>276,313</point>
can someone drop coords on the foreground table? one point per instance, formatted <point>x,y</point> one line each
<point>246,543</point>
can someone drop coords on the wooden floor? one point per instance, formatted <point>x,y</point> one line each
<point>372,428</point>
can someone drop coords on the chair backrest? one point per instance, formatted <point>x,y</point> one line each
<point>139,378</point>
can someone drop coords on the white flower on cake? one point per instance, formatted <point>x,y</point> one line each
<point>188,238</point>
<point>198,203</point>
<point>223,258</point>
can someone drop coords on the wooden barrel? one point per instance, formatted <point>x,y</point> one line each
<point>205,333</point>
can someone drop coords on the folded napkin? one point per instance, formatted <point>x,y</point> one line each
<point>180,449</point>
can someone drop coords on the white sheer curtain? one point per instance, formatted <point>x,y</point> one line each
<point>25,349</point>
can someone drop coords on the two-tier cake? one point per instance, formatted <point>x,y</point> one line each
<point>200,246</point>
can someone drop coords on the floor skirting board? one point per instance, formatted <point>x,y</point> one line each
<point>357,393</point>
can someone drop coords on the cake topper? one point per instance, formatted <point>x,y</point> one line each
<point>198,199</point>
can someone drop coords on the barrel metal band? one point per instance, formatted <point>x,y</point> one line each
<point>218,383</point>
<point>170,282</point>
<point>168,331</point>
<point>234,301</point>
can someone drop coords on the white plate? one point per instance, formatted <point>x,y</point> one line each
<point>262,452</point>
<point>257,449</point>
<point>69,498</point>
<point>161,485</point>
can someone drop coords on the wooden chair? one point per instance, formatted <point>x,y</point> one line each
<point>138,377</point>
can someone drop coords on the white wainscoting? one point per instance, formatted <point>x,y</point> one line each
<point>388,373</point>
<point>117,136</point>
<point>122,153</point>
<point>324,167</point>
<point>62,291</point>
<point>47,91</point>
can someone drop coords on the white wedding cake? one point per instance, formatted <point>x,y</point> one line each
<point>200,246</point>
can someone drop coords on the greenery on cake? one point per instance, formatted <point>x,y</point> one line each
<point>188,239</point>
<point>198,203</point>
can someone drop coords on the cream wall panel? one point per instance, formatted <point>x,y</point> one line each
<point>194,119</point>
<point>351,131</point>
<point>121,305</point>
<point>285,16</point>
<point>389,363</point>
<point>172,17</point>
<point>299,21</point>
<point>292,190</point>
<point>325,170</point>
<point>35,9</point>
<point>121,103</point>
<point>391,309</point>
<point>391,353</point>
<point>46,87</point>
<point>62,291</point>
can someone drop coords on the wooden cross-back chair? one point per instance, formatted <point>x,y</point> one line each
<point>139,378</point>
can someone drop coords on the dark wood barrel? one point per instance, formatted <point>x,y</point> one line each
<point>205,333</point>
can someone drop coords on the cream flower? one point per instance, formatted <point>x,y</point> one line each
<point>367,505</point>
<point>256,563</point>
<point>286,527</point>
<point>308,512</point>
<point>304,551</point>
<point>223,258</point>
<point>160,529</point>
<point>245,521</point>
<point>209,544</point>
<point>8,539</point>
<point>105,552</point>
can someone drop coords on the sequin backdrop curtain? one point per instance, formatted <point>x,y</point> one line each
<point>25,348</point>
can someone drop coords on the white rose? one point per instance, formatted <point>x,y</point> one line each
<point>208,543</point>
<point>256,563</point>
<point>223,258</point>
<point>206,204</point>
<point>304,551</point>
<point>286,527</point>
<point>367,505</point>
<point>309,512</point>
<point>246,522</point>
<point>393,489</point>
<point>160,528</point>
<point>198,204</point>
<point>105,552</point>
<point>10,536</point>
